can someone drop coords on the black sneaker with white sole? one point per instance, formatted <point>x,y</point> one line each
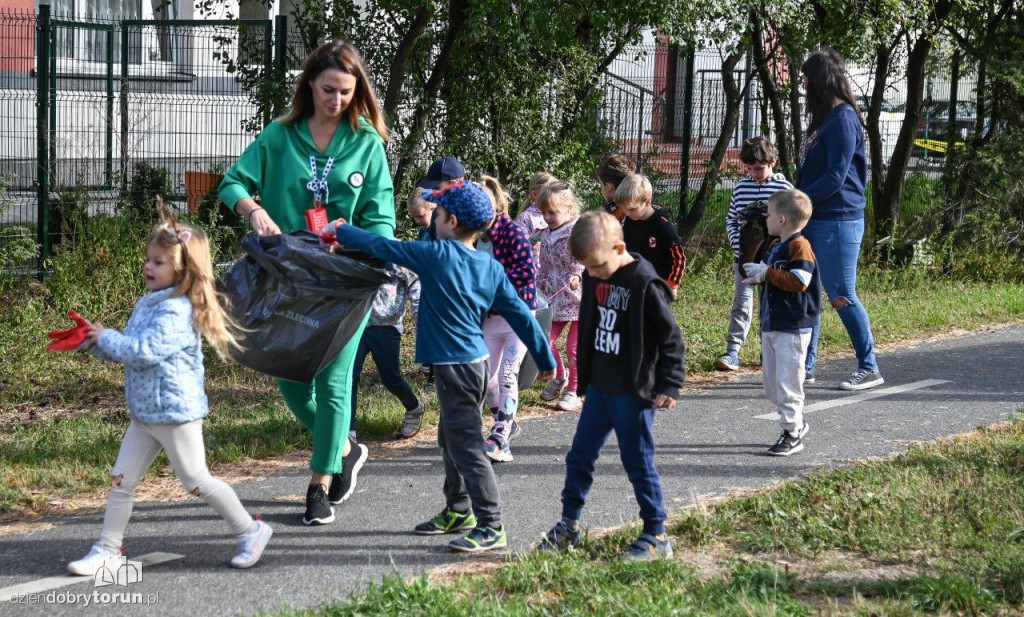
<point>318,509</point>
<point>862,379</point>
<point>789,443</point>
<point>344,484</point>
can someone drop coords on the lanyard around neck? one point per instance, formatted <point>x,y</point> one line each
<point>321,192</point>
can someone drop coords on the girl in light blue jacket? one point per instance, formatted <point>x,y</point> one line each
<point>162,355</point>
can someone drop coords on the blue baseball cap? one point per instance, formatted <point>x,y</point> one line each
<point>468,202</point>
<point>443,169</point>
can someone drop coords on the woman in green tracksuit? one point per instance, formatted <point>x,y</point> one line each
<point>328,151</point>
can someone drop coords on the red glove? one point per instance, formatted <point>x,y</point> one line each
<point>329,232</point>
<point>72,338</point>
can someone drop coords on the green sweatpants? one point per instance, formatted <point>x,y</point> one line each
<point>324,405</point>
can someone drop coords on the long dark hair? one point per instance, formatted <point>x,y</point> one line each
<point>343,57</point>
<point>826,82</point>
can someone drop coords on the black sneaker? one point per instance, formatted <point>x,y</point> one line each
<point>318,509</point>
<point>809,377</point>
<point>789,443</point>
<point>344,483</point>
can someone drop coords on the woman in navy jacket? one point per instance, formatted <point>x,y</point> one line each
<point>833,172</point>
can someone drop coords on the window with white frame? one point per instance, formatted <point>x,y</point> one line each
<point>80,43</point>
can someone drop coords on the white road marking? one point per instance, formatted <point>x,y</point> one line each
<point>862,396</point>
<point>55,582</point>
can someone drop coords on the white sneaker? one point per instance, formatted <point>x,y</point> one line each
<point>251,545</point>
<point>98,557</point>
<point>569,402</point>
<point>553,389</point>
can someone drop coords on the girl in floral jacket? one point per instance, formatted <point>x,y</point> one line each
<point>559,276</point>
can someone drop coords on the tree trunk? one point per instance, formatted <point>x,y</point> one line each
<point>771,92</point>
<point>884,216</point>
<point>892,191</point>
<point>796,130</point>
<point>399,64</point>
<point>733,97</point>
<point>458,18</point>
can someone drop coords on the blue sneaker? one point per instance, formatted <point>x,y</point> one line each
<point>563,536</point>
<point>516,431</point>
<point>729,361</point>
<point>482,538</point>
<point>648,548</point>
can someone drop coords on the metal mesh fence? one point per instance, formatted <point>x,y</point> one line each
<point>644,112</point>
<point>134,107</point>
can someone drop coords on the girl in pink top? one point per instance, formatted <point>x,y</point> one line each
<point>559,277</point>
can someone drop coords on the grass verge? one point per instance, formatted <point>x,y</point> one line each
<point>62,415</point>
<point>934,530</point>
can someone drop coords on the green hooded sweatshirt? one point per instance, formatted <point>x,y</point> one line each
<point>276,166</point>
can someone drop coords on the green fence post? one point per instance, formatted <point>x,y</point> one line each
<point>43,36</point>
<point>268,63</point>
<point>280,54</point>
<point>108,163</point>
<point>124,108</point>
<point>684,186</point>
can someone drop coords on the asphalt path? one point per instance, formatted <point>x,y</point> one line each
<point>712,442</point>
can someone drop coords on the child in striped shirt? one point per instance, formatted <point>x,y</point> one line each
<point>758,156</point>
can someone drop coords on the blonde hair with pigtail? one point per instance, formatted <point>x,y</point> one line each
<point>498,195</point>
<point>188,250</point>
<point>538,181</point>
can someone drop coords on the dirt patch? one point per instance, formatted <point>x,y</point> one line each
<point>23,527</point>
<point>453,573</point>
<point>159,489</point>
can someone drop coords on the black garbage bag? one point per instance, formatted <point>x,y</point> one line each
<point>528,369</point>
<point>300,304</point>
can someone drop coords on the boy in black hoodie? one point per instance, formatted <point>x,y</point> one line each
<point>631,362</point>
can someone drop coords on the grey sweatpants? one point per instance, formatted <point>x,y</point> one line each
<point>742,312</point>
<point>468,476</point>
<point>783,355</point>
<point>187,455</point>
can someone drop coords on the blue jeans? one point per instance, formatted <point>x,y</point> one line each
<point>632,420</point>
<point>836,246</point>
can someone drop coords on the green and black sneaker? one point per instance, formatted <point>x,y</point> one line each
<point>448,521</point>
<point>482,538</point>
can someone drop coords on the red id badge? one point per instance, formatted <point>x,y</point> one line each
<point>316,219</point>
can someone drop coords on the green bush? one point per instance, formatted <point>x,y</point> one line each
<point>145,186</point>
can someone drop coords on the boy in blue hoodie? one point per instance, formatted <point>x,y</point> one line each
<point>458,287</point>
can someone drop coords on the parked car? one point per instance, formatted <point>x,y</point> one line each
<point>934,124</point>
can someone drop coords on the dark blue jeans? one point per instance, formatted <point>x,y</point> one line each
<point>632,419</point>
<point>384,343</point>
<point>836,246</point>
